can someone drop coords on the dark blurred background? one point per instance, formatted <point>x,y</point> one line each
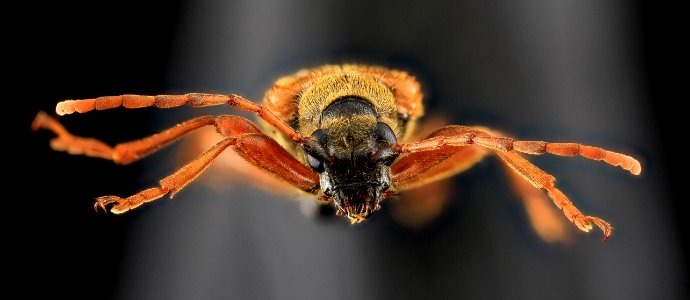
<point>597,72</point>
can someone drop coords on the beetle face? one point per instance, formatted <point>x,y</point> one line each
<point>353,157</point>
<point>356,186</point>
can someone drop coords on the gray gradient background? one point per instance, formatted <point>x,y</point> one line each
<point>553,70</point>
<point>547,70</point>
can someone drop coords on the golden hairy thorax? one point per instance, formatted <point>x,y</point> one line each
<point>315,89</point>
<point>339,83</point>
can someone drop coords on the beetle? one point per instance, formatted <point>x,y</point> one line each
<point>339,132</point>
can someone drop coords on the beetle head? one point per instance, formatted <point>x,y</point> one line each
<point>352,154</point>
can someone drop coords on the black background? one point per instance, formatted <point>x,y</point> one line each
<point>73,51</point>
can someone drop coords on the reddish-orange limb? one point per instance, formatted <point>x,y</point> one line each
<point>545,218</point>
<point>506,149</point>
<point>477,136</point>
<point>229,169</point>
<point>123,153</point>
<point>275,160</point>
<point>168,101</point>
<point>543,180</point>
<point>267,154</point>
<point>69,143</point>
<point>420,168</point>
<point>249,142</point>
<point>169,185</point>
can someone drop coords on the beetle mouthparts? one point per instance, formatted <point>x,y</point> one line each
<point>357,206</point>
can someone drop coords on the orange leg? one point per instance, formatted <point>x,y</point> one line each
<point>167,101</point>
<point>421,168</point>
<point>123,153</point>
<point>545,219</point>
<point>506,149</point>
<point>483,137</point>
<point>426,186</point>
<point>249,142</point>
<point>542,180</point>
<point>168,185</point>
<point>421,176</point>
<point>258,149</point>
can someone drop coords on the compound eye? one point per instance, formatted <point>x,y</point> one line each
<point>316,153</point>
<point>384,133</point>
<point>385,137</point>
<point>320,136</point>
<point>315,163</point>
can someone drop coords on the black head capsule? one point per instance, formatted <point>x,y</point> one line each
<point>352,154</point>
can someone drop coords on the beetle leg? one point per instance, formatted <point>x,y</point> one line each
<point>483,137</point>
<point>540,179</point>
<point>123,153</point>
<point>257,148</point>
<point>422,168</point>
<point>506,149</point>
<point>249,142</point>
<point>169,185</point>
<point>545,218</point>
<point>168,101</point>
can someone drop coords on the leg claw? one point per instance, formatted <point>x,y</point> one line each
<point>103,202</point>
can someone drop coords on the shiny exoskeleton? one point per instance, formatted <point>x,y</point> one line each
<point>340,132</point>
<point>353,160</point>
